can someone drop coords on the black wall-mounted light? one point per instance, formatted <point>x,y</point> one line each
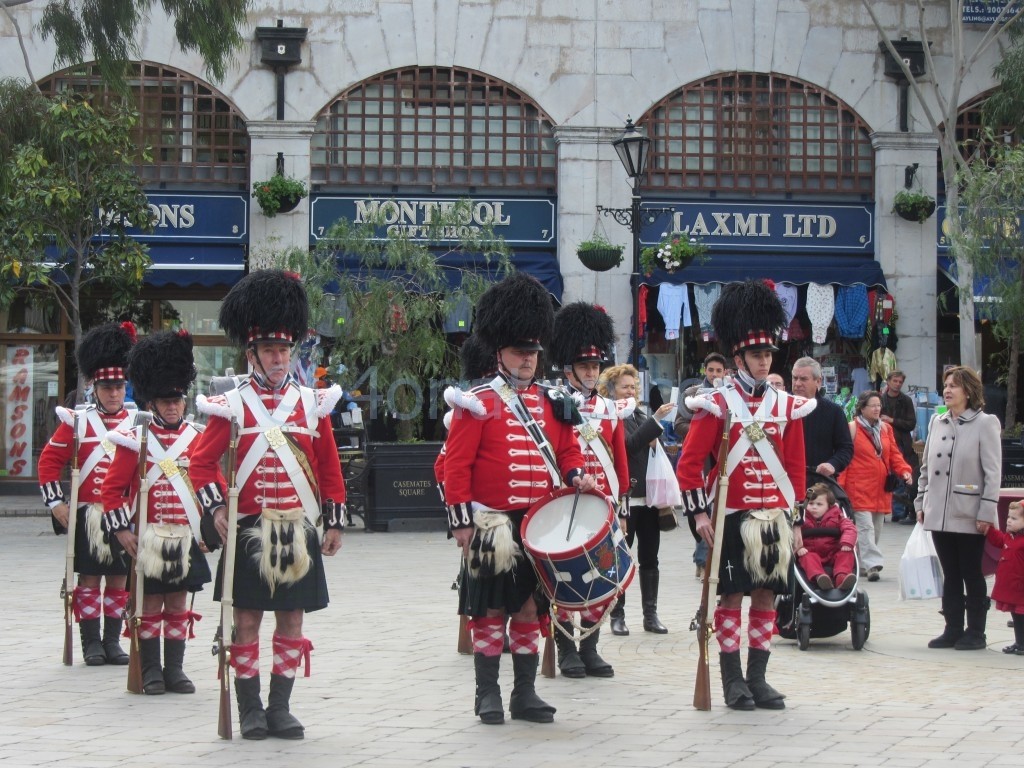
<point>912,53</point>
<point>280,48</point>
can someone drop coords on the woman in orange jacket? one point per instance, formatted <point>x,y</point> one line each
<point>875,456</point>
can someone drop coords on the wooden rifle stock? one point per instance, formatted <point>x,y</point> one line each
<point>224,631</point>
<point>137,592</point>
<point>67,590</point>
<point>702,682</point>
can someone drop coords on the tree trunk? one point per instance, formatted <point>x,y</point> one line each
<point>1011,376</point>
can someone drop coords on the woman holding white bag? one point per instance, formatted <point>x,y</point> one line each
<point>957,496</point>
<point>642,432</point>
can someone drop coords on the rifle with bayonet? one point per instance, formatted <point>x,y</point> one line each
<point>137,591</point>
<point>67,590</point>
<point>225,632</point>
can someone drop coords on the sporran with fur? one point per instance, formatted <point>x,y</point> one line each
<point>493,550</point>
<point>767,544</point>
<point>279,544</point>
<point>96,533</point>
<point>165,552</point>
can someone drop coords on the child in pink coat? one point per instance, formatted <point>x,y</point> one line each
<point>828,538</point>
<point>1008,591</point>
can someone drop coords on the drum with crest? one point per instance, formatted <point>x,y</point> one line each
<point>581,557</point>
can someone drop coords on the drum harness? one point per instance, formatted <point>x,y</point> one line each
<point>591,437</point>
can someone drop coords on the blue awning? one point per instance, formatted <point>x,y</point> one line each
<point>187,265</point>
<point>982,287</point>
<point>826,269</point>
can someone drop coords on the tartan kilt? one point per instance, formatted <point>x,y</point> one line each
<point>506,591</point>
<point>85,563</point>
<point>252,592</point>
<point>198,575</point>
<point>737,578</point>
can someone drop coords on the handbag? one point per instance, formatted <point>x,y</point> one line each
<point>892,482</point>
<point>920,572</point>
<point>662,485</point>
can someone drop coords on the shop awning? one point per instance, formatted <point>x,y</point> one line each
<point>187,265</point>
<point>982,289</point>
<point>826,269</point>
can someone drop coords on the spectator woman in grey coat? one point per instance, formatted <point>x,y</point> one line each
<point>957,496</point>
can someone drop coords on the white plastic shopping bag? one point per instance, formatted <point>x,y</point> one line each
<point>920,572</point>
<point>662,486</point>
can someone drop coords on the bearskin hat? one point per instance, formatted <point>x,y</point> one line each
<point>102,354</point>
<point>583,331</point>
<point>515,313</point>
<point>477,358</point>
<point>162,365</point>
<point>748,315</point>
<point>267,305</point>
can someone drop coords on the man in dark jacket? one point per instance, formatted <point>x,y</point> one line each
<point>827,440</point>
<point>899,412</point>
<point>714,370</point>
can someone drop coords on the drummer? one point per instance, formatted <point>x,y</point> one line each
<point>583,336</point>
<point>502,456</point>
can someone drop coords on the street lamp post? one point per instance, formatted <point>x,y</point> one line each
<point>633,148</point>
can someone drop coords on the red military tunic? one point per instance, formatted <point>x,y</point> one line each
<point>164,503</point>
<point>490,458</point>
<point>751,482</point>
<point>94,452</point>
<point>307,425</point>
<point>601,414</point>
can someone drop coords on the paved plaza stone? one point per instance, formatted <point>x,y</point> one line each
<point>389,689</point>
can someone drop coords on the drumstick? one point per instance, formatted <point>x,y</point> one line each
<point>575,501</point>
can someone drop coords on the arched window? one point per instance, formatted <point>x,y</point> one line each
<point>753,133</point>
<point>434,128</point>
<point>194,133</point>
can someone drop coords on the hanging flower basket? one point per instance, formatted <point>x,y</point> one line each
<point>598,254</point>
<point>278,194</point>
<point>913,206</point>
<point>671,253</point>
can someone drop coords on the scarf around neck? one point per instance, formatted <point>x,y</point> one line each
<point>875,432</point>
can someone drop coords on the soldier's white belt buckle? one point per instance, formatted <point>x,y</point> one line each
<point>169,467</point>
<point>275,437</point>
<point>587,432</point>
<point>754,432</point>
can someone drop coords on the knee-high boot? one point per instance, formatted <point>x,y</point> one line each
<point>281,723</point>
<point>92,645</point>
<point>619,617</point>
<point>111,641</point>
<point>488,704</point>
<point>953,612</point>
<point>734,688</point>
<point>252,718</point>
<point>649,601</point>
<point>152,675</point>
<point>525,704</point>
<point>977,616</point>
<point>594,665</point>
<point>764,695</point>
<point>569,662</point>
<point>175,678</point>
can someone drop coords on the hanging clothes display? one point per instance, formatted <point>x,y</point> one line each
<point>860,380</point>
<point>852,311</point>
<point>788,298</point>
<point>704,298</point>
<point>820,310</point>
<point>674,306</point>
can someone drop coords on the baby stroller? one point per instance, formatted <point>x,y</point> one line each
<point>808,611</point>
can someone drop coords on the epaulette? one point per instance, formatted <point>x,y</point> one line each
<point>625,408</point>
<point>705,402</point>
<point>457,398</point>
<point>217,405</point>
<point>326,400</point>
<point>129,440</point>
<point>66,415</point>
<point>802,406</point>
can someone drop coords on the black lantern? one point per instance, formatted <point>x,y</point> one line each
<point>633,149</point>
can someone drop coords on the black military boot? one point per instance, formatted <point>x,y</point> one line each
<point>619,618</point>
<point>953,612</point>
<point>281,723</point>
<point>152,676</point>
<point>488,704</point>
<point>569,661</point>
<point>112,649</point>
<point>174,676</point>
<point>252,719</point>
<point>649,601</point>
<point>734,688</point>
<point>525,704</point>
<point>92,646</point>
<point>977,616</point>
<point>765,697</point>
<point>593,663</point>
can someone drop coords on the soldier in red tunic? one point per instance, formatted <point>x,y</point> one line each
<point>290,484</point>
<point>582,340</point>
<point>766,480</point>
<point>161,370</point>
<point>507,452</point>
<point>102,358</point>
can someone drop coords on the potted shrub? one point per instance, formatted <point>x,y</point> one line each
<point>672,253</point>
<point>598,254</point>
<point>913,205</point>
<point>278,194</point>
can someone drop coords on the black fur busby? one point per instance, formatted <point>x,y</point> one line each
<point>267,305</point>
<point>583,331</point>
<point>102,354</point>
<point>748,315</point>
<point>515,313</point>
<point>162,365</point>
<point>478,359</point>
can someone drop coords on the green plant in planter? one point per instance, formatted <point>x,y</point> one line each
<point>913,205</point>
<point>671,253</point>
<point>598,254</point>
<point>278,194</point>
